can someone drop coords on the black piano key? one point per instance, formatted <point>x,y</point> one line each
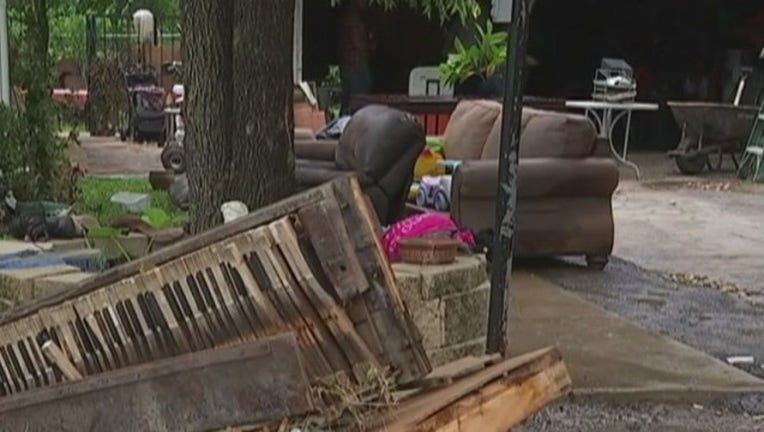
<point>227,314</point>
<point>118,343</point>
<point>153,331</point>
<point>26,357</point>
<point>216,307</point>
<point>19,374</point>
<point>124,319</point>
<point>233,278</point>
<point>217,335</point>
<point>112,346</point>
<point>185,327</point>
<point>246,326</point>
<point>39,359</point>
<point>11,378</point>
<point>99,350</point>
<point>161,322</point>
<point>201,339</point>
<point>139,331</point>
<point>88,347</point>
<point>88,359</point>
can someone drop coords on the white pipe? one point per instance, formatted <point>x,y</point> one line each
<point>5,81</point>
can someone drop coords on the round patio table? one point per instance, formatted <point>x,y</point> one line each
<point>605,115</point>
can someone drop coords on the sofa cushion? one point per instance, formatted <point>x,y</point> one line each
<point>310,173</point>
<point>541,177</point>
<point>315,149</point>
<point>469,127</point>
<point>491,149</point>
<point>547,134</point>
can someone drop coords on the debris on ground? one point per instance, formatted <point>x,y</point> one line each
<point>734,360</point>
<point>703,281</point>
<point>699,185</point>
<point>290,312</point>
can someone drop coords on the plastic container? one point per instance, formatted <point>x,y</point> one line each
<point>133,202</point>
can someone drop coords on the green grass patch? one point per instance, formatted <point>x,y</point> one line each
<point>95,199</point>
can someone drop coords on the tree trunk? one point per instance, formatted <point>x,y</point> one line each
<point>238,78</point>
<point>264,91</point>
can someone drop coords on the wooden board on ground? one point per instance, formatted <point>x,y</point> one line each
<point>494,399</point>
<point>243,384</point>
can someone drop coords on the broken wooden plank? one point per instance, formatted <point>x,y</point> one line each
<point>255,382</point>
<point>328,235</point>
<point>450,372</point>
<point>492,400</point>
<point>56,356</point>
<point>386,306</point>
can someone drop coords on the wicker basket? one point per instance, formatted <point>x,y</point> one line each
<point>428,250</point>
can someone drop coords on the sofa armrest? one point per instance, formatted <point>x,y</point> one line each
<point>315,149</point>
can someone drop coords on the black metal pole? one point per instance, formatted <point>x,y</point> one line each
<point>501,262</point>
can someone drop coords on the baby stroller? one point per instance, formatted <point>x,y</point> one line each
<point>145,120</point>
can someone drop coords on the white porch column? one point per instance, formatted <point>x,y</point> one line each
<point>5,79</point>
<point>297,42</point>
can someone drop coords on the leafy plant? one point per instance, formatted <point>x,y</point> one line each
<point>480,59</point>
<point>96,194</point>
<point>332,78</point>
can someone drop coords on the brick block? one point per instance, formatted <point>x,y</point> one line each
<point>53,284</point>
<point>17,285</point>
<point>466,315</point>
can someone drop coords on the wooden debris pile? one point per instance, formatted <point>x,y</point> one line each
<point>307,273</point>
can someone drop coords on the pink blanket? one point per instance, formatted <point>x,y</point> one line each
<point>423,225</point>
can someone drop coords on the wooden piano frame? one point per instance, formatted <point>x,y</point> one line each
<point>311,265</point>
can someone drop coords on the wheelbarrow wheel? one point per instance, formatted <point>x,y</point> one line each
<point>691,163</point>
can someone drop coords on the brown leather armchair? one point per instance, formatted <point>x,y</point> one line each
<point>566,180</point>
<point>379,144</point>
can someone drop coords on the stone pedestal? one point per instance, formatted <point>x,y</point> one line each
<point>449,304</point>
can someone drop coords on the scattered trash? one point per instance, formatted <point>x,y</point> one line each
<point>233,210</point>
<point>706,282</point>
<point>740,360</point>
<point>697,406</point>
<point>133,202</point>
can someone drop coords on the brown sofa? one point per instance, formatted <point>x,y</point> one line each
<point>379,144</point>
<point>566,180</point>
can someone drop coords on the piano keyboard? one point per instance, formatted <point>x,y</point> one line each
<point>258,283</point>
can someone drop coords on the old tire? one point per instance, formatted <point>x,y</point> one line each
<point>174,158</point>
<point>691,163</point>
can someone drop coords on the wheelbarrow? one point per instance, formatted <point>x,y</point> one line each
<point>710,128</point>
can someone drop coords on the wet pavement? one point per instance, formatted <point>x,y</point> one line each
<point>708,226</point>
<point>711,321</point>
<point>694,227</point>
